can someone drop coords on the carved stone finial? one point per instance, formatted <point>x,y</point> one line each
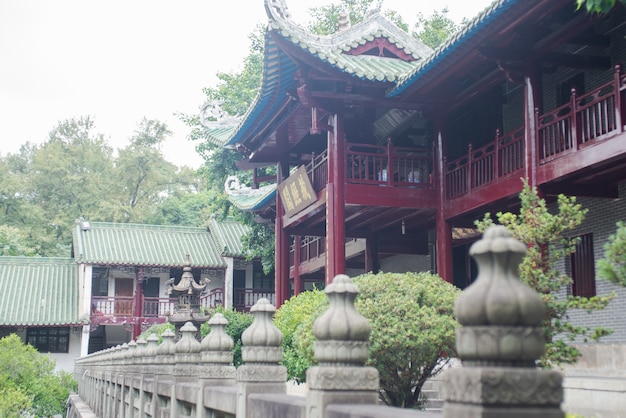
<point>188,343</point>
<point>168,346</point>
<point>217,346</point>
<point>342,333</point>
<point>262,340</point>
<point>499,298</point>
<point>500,340</point>
<point>344,20</point>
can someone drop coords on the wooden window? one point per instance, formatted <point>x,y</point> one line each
<point>583,268</point>
<point>49,340</point>
<point>260,280</point>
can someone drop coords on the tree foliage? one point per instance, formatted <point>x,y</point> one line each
<point>29,386</point>
<point>413,330</point>
<point>547,236</point>
<point>74,174</point>
<point>613,266</point>
<point>435,29</point>
<point>325,19</point>
<point>598,6</point>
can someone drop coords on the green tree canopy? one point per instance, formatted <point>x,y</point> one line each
<point>613,266</point>
<point>29,386</point>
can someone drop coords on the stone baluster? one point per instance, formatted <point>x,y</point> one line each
<point>499,341</point>
<point>341,349</point>
<point>261,353</point>
<point>187,355</point>
<point>166,355</point>
<point>217,354</point>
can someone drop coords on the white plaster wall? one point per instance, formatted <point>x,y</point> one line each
<point>65,361</point>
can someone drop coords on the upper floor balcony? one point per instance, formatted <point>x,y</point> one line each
<point>122,309</point>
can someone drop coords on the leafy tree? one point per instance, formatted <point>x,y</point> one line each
<point>29,386</point>
<point>13,242</point>
<point>598,6</point>
<point>545,234</point>
<point>325,19</point>
<point>143,174</point>
<point>69,177</point>
<point>413,330</point>
<point>435,29</point>
<point>613,266</point>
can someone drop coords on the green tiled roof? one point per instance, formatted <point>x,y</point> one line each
<point>107,243</point>
<point>227,236</point>
<point>332,49</point>
<point>249,199</point>
<point>38,291</point>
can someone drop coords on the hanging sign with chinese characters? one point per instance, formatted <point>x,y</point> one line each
<point>296,192</point>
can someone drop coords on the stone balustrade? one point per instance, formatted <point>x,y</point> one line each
<point>499,342</point>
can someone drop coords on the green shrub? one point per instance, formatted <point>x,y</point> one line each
<point>413,330</point>
<point>29,386</point>
<point>295,320</point>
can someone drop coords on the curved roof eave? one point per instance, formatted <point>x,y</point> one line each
<point>454,43</point>
<point>278,78</point>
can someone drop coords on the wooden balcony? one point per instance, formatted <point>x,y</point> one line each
<point>121,309</point>
<point>245,298</point>
<point>577,139</point>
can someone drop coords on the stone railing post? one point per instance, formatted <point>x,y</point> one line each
<point>261,353</point>
<point>217,354</point>
<point>342,348</point>
<point>187,358</point>
<point>499,341</point>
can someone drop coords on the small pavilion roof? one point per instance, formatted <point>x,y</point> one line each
<point>38,291</point>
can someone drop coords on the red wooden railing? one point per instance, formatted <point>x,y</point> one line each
<point>388,165</point>
<point>153,307</point>
<point>584,120</point>
<point>246,298</point>
<point>211,299</point>
<point>317,170</point>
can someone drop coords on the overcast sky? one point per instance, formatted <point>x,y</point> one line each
<point>121,60</point>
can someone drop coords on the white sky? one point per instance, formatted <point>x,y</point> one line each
<point>121,60</point>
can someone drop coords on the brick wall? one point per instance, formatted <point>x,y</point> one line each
<point>600,221</point>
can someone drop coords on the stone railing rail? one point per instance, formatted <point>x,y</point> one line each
<point>499,342</point>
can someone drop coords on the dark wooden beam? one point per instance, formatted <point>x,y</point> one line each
<point>589,62</point>
<point>597,190</point>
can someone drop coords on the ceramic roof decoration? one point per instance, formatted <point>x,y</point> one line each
<point>105,243</point>
<point>38,291</point>
<point>249,199</point>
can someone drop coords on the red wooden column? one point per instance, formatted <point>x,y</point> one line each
<point>532,102</point>
<point>442,227</point>
<point>335,201</point>
<point>138,303</point>
<point>297,280</point>
<point>281,256</point>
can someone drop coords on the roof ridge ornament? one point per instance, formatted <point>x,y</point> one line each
<point>213,116</point>
<point>277,9</point>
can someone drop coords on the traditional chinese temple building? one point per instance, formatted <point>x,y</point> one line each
<point>387,152</point>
